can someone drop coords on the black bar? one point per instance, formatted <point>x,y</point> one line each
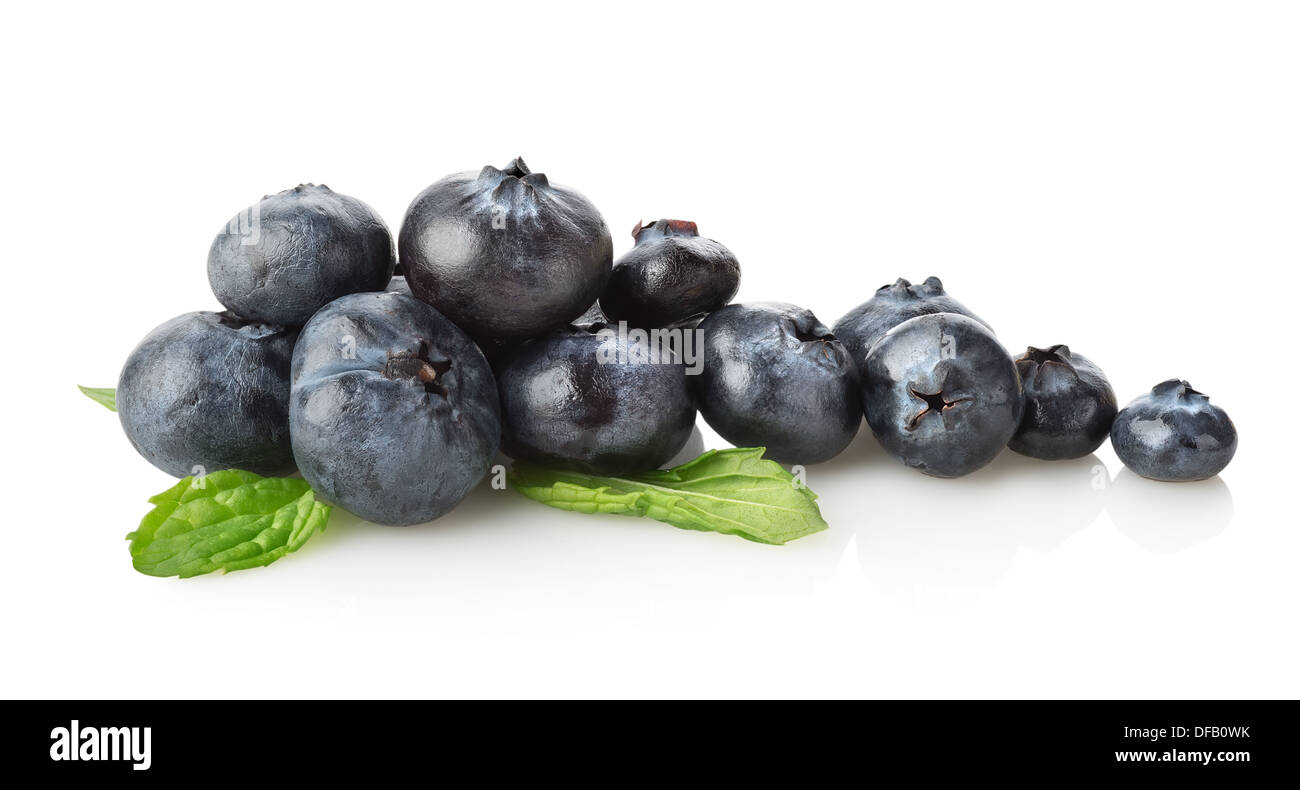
<point>616,741</point>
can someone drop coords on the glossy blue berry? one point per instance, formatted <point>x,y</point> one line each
<point>393,412</point>
<point>1174,433</point>
<point>671,274</point>
<point>209,391</point>
<point>774,376</point>
<point>294,252</point>
<point>505,253</point>
<point>941,394</point>
<point>1069,404</point>
<point>594,400</point>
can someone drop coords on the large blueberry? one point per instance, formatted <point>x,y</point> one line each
<point>941,394</point>
<point>209,391</point>
<point>394,411</point>
<point>1174,433</point>
<point>505,253</point>
<point>294,252</point>
<point>862,326</point>
<point>596,400</point>
<point>671,274</point>
<point>773,376</point>
<point>1069,405</point>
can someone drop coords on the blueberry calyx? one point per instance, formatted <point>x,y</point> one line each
<point>663,228</point>
<point>515,169</point>
<point>246,326</point>
<point>1058,354</point>
<point>1055,356</point>
<point>229,319</point>
<point>419,367</point>
<point>1179,389</point>
<point>935,403</point>
<point>512,189</point>
<point>513,182</point>
<point>809,331</point>
<point>813,334</point>
<point>903,289</point>
<point>301,188</point>
<point>899,286</point>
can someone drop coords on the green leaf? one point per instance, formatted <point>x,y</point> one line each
<point>228,521</point>
<point>105,396</point>
<point>734,491</point>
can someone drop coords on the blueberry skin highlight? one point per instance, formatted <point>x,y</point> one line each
<point>774,376</point>
<point>209,391</point>
<point>865,324</point>
<point>941,394</point>
<point>567,400</point>
<point>505,253</point>
<point>1174,434</point>
<point>312,246</point>
<point>393,409</point>
<point>670,275</point>
<point>1069,404</point>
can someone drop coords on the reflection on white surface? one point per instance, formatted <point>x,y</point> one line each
<point>1017,560</point>
<point>914,533</point>
<point>1168,517</point>
<point>918,531</point>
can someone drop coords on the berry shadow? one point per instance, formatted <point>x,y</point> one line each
<point>1165,518</point>
<point>918,534</point>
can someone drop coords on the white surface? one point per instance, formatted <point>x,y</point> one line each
<point>1121,177</point>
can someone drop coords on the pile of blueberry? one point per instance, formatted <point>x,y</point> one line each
<point>391,388</point>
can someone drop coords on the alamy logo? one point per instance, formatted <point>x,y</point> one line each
<point>669,346</point>
<point>102,743</point>
<point>247,225</point>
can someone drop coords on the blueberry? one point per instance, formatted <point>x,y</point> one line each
<point>505,253</point>
<point>295,252</point>
<point>941,394</point>
<point>1069,405</point>
<point>209,391</point>
<point>393,411</point>
<point>862,326</point>
<point>1174,433</point>
<point>773,376</point>
<point>595,400</point>
<point>671,274</point>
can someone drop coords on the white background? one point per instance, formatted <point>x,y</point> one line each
<point>1121,177</point>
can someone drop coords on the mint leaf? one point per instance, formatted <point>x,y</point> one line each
<point>734,491</point>
<point>105,396</point>
<point>228,521</point>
